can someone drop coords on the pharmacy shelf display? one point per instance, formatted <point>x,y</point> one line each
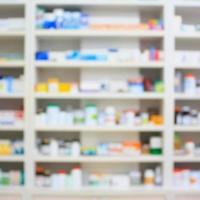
<point>99,100</point>
<point>91,78</point>
<point>12,99</point>
<point>186,96</point>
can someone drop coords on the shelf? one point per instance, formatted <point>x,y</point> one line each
<point>82,64</point>
<point>186,191</point>
<point>90,191</point>
<point>186,159</point>
<point>187,128</point>
<point>187,97</point>
<point>12,190</point>
<point>12,2</point>
<point>147,128</point>
<point>187,35</point>
<point>187,3</point>
<point>99,159</point>
<point>11,96</point>
<point>45,34</point>
<point>12,64</point>
<point>188,66</point>
<point>12,158</point>
<point>100,96</point>
<point>11,128</point>
<point>11,33</point>
<point>117,3</point>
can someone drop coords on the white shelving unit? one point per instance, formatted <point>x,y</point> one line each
<point>84,68</point>
<point>34,70</point>
<point>186,41</point>
<point>16,41</point>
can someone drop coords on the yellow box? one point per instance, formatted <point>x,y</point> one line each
<point>41,87</point>
<point>65,87</point>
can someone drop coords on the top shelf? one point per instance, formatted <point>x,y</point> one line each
<point>187,3</point>
<point>139,3</point>
<point>92,33</point>
<point>12,2</point>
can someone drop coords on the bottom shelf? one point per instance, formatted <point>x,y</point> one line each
<point>138,193</point>
<point>12,190</point>
<point>89,191</point>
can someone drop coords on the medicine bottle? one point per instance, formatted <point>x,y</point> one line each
<point>149,177</point>
<point>75,148</point>
<point>156,146</point>
<point>77,176</point>
<point>189,84</point>
<point>186,117</point>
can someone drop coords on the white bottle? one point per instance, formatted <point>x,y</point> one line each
<point>158,176</point>
<point>76,149</point>
<point>190,148</point>
<point>76,177</point>
<point>130,118</point>
<point>189,84</point>
<point>55,181</point>
<point>62,118</point>
<point>186,117</point>
<point>110,116</point>
<point>54,147</point>
<point>62,179</point>
<point>69,117</point>
<point>53,112</point>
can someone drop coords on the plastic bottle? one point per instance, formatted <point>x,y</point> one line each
<point>158,176</point>
<point>77,177</point>
<point>54,148</point>
<point>189,84</point>
<point>76,148</point>
<point>149,177</point>
<point>91,115</point>
<point>178,82</point>
<point>156,146</point>
<point>186,116</point>
<point>61,179</point>
<point>190,148</point>
<point>59,14</point>
<point>110,116</point>
<point>53,112</point>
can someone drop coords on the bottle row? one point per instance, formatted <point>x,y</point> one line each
<point>77,19</point>
<point>182,57</point>
<point>186,178</point>
<point>11,147</point>
<point>11,117</point>
<point>6,57</point>
<point>10,84</point>
<point>102,55</point>
<point>74,148</point>
<point>187,116</point>
<point>76,178</point>
<point>11,178</point>
<point>137,84</point>
<point>12,24</point>
<point>186,148</point>
<point>73,178</point>
<point>90,115</point>
<point>187,57</point>
<point>185,27</point>
<point>187,83</point>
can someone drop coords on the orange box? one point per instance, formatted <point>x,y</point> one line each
<point>156,119</point>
